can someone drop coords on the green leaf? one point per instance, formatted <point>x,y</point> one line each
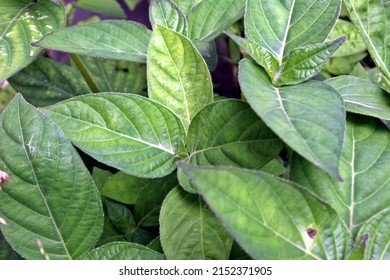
<point>186,5</point>
<point>109,8</point>
<point>354,43</point>
<point>21,23</point>
<point>123,187</point>
<point>155,245</point>
<point>132,3</point>
<point>6,251</point>
<point>343,65</point>
<point>149,201</point>
<point>305,62</point>
<point>373,240</point>
<point>120,216</point>
<point>275,167</point>
<point>281,26</point>
<point>177,74</point>
<point>362,96</point>
<point>190,231</point>
<point>116,75</point>
<point>122,40</point>
<point>7,93</point>
<point>46,82</point>
<point>269,217</point>
<point>371,18</point>
<point>123,251</point>
<point>139,235</point>
<point>208,19</point>
<point>51,196</point>
<point>110,233</point>
<point>125,131</point>
<point>229,133</point>
<point>167,14</point>
<point>364,167</point>
<point>100,176</point>
<point>310,117</point>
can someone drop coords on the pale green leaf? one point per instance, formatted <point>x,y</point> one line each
<point>310,117</point>
<point>116,75</point>
<point>365,170</point>
<point>150,198</point>
<point>281,26</point>
<point>269,217</point>
<point>190,231</point>
<point>229,133</point>
<point>125,131</point>
<point>305,62</point>
<point>177,74</point>
<point>343,65</point>
<point>132,3</point>
<point>22,23</point>
<point>123,40</point>
<point>123,251</point>
<point>186,5</point>
<point>373,240</point>
<point>371,18</point>
<point>362,96</point>
<point>46,82</point>
<point>109,8</point>
<point>51,196</point>
<point>123,187</point>
<point>208,19</point>
<point>354,43</point>
<point>167,14</point>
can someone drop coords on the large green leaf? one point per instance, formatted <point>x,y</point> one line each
<point>51,196</point>
<point>112,75</point>
<point>123,251</point>
<point>126,131</point>
<point>190,231</point>
<point>46,82</point>
<point>362,96</point>
<point>269,217</point>
<point>21,23</point>
<point>114,39</point>
<point>208,19</point>
<point>167,14</point>
<point>178,76</point>
<point>309,117</point>
<point>371,18</point>
<point>281,26</point>
<point>354,43</point>
<point>373,240</point>
<point>109,8</point>
<point>364,168</point>
<point>186,5</point>
<point>229,133</point>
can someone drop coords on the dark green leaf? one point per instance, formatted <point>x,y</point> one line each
<point>120,216</point>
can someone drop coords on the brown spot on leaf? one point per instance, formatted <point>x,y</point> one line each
<point>312,233</point>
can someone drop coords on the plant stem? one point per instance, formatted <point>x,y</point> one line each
<point>84,72</point>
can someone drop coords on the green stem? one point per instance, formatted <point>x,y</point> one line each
<point>84,72</point>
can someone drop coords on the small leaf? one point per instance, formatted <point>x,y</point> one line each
<point>354,43</point>
<point>149,201</point>
<point>123,251</point>
<point>116,75</point>
<point>362,96</point>
<point>21,23</point>
<point>310,117</point>
<point>114,39</point>
<point>125,131</point>
<point>167,14</point>
<point>178,76</point>
<point>46,82</point>
<point>343,65</point>
<point>370,17</point>
<point>109,8</point>
<point>364,167</point>
<point>208,19</point>
<point>373,240</point>
<point>190,231</point>
<point>120,216</point>
<point>124,188</point>
<point>229,133</point>
<point>268,216</point>
<point>100,176</point>
<point>281,26</point>
<point>305,62</point>
<point>51,196</point>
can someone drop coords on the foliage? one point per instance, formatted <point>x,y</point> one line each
<point>126,152</point>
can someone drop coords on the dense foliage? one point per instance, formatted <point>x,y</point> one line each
<point>131,150</point>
